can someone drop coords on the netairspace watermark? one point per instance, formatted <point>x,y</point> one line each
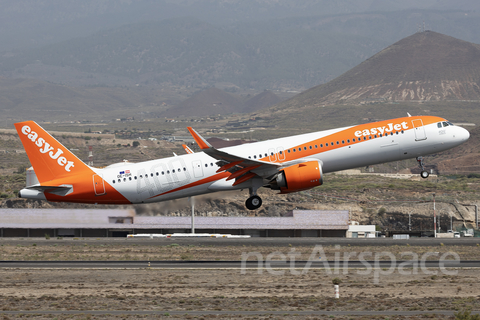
<point>410,263</point>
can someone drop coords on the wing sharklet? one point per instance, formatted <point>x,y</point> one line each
<point>202,143</point>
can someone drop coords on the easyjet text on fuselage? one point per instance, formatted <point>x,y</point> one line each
<point>382,130</point>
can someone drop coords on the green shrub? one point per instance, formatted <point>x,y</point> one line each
<point>466,314</point>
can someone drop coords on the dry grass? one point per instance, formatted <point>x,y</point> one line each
<point>90,249</point>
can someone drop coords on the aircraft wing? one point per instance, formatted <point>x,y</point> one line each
<point>242,169</point>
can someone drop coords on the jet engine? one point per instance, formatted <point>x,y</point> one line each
<point>298,177</point>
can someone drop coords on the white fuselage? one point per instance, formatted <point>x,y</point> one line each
<point>194,174</point>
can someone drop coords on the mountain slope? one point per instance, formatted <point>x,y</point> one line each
<point>261,101</point>
<point>426,66</point>
<point>214,101</point>
<point>30,99</point>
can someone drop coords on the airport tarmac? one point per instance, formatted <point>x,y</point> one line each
<point>114,278</point>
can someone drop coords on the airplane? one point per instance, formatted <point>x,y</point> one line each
<point>287,164</point>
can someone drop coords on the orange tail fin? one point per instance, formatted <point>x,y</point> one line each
<point>49,158</point>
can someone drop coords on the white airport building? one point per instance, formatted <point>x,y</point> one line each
<point>120,222</point>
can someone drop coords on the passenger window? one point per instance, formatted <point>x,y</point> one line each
<point>305,148</point>
<point>310,147</point>
<point>163,173</point>
<point>343,141</point>
<point>184,169</point>
<point>173,171</point>
<point>375,136</point>
<point>254,156</point>
<point>348,140</point>
<point>316,147</point>
<point>135,177</point>
<point>353,139</point>
<point>321,145</point>
<point>157,174</point>
<point>294,150</point>
<point>338,143</point>
<point>130,178</point>
<point>151,174</point>
<point>119,180</point>
<point>124,179</point>
<point>266,155</point>
<point>326,144</point>
<point>113,181</point>
<point>206,165</point>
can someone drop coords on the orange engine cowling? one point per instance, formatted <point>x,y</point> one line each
<point>299,177</point>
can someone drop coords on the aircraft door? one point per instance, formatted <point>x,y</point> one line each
<point>98,185</point>
<point>419,130</point>
<point>197,169</point>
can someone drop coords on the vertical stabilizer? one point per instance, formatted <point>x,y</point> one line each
<point>49,158</point>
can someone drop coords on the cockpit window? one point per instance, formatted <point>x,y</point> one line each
<point>439,124</point>
<point>450,124</point>
<point>445,124</point>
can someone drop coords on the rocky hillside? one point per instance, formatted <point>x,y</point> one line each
<point>426,66</point>
<point>370,199</point>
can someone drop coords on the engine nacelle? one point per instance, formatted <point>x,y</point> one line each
<point>298,177</point>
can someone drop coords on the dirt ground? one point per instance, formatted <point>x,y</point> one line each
<point>76,249</point>
<point>169,291</point>
<point>229,290</point>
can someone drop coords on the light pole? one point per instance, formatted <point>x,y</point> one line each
<point>192,203</point>
<point>434,218</point>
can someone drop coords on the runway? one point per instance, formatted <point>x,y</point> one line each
<point>275,264</point>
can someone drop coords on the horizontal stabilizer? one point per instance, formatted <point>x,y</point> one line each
<point>62,190</point>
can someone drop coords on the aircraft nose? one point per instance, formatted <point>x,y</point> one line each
<point>464,134</point>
